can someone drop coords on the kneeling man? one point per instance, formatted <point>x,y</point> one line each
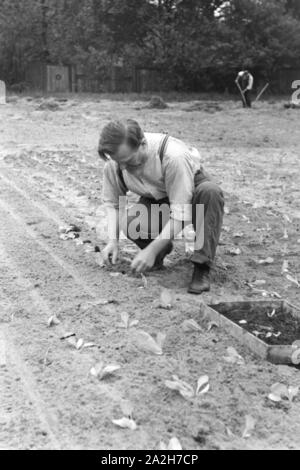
<point>174,192</point>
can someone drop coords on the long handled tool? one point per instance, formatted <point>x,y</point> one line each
<point>262,92</point>
<point>243,96</point>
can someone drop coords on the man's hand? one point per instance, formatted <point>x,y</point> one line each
<point>111,252</point>
<point>144,260</point>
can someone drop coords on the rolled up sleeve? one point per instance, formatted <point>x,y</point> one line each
<point>179,181</point>
<point>113,188</point>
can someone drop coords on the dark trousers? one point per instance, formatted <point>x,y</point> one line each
<point>207,194</point>
<point>248,99</point>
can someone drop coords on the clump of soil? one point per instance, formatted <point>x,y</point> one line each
<point>48,106</point>
<point>157,102</point>
<point>207,106</point>
<point>266,320</point>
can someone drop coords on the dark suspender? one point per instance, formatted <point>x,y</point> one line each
<point>163,147</point>
<point>121,177</point>
<point>161,156</point>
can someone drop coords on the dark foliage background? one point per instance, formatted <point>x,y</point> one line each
<point>196,43</point>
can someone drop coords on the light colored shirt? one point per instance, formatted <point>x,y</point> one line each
<point>250,83</point>
<point>250,79</point>
<point>173,178</point>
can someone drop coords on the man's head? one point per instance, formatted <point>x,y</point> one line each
<point>123,143</point>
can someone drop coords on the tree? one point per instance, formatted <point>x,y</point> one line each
<point>196,43</point>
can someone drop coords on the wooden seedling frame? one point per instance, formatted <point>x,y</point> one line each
<point>281,354</point>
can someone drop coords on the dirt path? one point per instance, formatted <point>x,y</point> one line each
<point>50,176</point>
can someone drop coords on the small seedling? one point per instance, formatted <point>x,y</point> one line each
<point>257,333</point>
<point>79,344</point>
<point>186,390</point>
<point>280,392</point>
<point>249,427</point>
<point>46,360</point>
<point>100,371</point>
<point>285,267</point>
<point>191,326</point>
<point>126,323</point>
<point>233,357</point>
<point>53,321</point>
<point>74,343</point>
<point>165,301</point>
<point>293,280</point>
<point>271,335</point>
<point>259,282</point>
<point>125,423</point>
<point>146,343</point>
<point>266,261</point>
<point>145,281</point>
<point>212,325</point>
<point>89,345</point>
<point>271,314</point>
<point>173,444</point>
<point>235,251</point>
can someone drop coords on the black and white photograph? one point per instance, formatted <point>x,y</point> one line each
<point>150,227</point>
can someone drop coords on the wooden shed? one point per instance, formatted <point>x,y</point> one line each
<point>50,78</point>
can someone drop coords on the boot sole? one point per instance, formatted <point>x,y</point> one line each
<point>198,292</point>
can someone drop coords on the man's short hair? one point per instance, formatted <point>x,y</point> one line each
<point>116,133</point>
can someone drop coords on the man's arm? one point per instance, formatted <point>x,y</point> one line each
<point>111,251</point>
<point>169,232</point>
<point>113,190</point>
<point>146,258</point>
<point>238,78</point>
<point>113,224</point>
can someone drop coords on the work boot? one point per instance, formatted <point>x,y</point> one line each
<point>201,279</point>
<point>159,262</point>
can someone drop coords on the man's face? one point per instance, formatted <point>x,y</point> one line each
<point>128,158</point>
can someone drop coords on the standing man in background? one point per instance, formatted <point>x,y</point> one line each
<point>245,82</point>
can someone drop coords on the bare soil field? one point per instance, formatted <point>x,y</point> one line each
<point>50,176</point>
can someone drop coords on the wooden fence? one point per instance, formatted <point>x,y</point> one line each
<point>56,78</point>
<point>120,79</point>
